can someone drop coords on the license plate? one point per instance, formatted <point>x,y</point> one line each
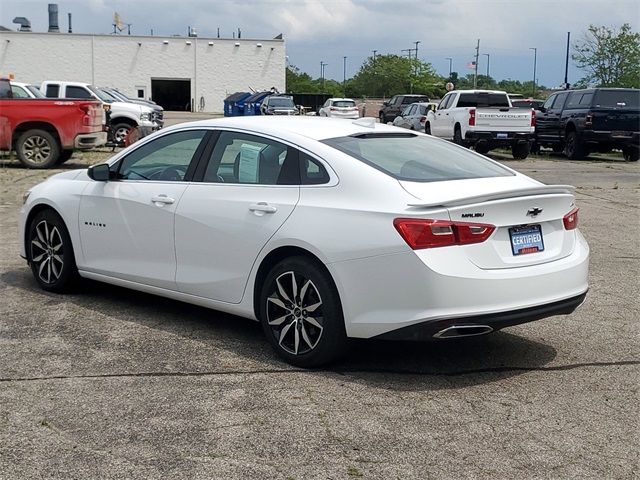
<point>502,136</point>
<point>526,239</point>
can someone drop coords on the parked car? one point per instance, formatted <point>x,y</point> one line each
<point>339,108</point>
<point>158,111</point>
<point>414,116</point>
<point>278,105</point>
<point>126,98</point>
<point>321,229</point>
<point>596,119</point>
<point>24,90</point>
<point>44,132</point>
<point>122,116</point>
<point>391,109</point>
<point>483,119</point>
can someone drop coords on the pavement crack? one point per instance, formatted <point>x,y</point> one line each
<point>341,371</point>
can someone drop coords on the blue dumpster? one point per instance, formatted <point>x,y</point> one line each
<point>252,103</point>
<point>234,104</point>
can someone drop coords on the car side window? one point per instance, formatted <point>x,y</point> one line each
<point>165,158</point>
<point>311,171</point>
<point>549,102</point>
<point>407,100</point>
<point>574,100</point>
<point>77,92</point>
<point>444,104</point>
<point>394,100</point>
<point>250,159</point>
<point>586,99</point>
<point>53,90</point>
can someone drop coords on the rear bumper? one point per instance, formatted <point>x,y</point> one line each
<point>497,321</point>
<point>496,139</point>
<point>87,141</point>
<point>611,138</point>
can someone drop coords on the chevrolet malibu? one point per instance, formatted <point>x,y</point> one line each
<point>320,229</point>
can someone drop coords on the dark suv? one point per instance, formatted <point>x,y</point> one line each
<point>391,109</point>
<point>591,120</point>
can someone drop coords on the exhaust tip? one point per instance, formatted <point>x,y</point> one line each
<point>457,331</point>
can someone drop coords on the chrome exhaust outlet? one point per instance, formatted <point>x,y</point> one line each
<point>457,331</point>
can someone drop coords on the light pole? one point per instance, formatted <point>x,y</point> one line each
<point>344,76</point>
<point>487,55</point>
<point>374,55</point>
<point>450,60</point>
<point>535,60</point>
<point>322,65</point>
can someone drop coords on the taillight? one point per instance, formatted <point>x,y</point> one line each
<point>570,220</point>
<point>424,233</point>
<point>472,117</point>
<point>423,119</point>
<point>333,109</point>
<point>588,120</point>
<point>86,118</point>
<point>533,118</point>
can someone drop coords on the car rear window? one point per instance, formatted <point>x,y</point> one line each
<point>417,158</point>
<point>617,99</point>
<point>414,99</point>
<point>483,100</point>
<point>344,103</point>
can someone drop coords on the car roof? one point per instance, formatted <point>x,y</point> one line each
<point>312,127</point>
<point>340,99</point>
<point>482,91</point>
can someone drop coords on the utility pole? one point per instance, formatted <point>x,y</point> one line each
<point>374,55</point>
<point>322,65</point>
<point>535,59</point>
<point>416,69</point>
<point>487,55</point>
<point>450,61</point>
<point>344,76</point>
<point>475,71</point>
<point>566,64</point>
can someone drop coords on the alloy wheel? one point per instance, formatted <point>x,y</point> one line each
<point>120,134</point>
<point>295,313</point>
<point>47,252</point>
<point>36,149</point>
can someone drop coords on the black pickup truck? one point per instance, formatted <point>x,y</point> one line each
<point>394,107</point>
<point>591,120</point>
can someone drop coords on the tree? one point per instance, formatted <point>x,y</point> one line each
<point>389,75</point>
<point>610,58</point>
<point>300,82</point>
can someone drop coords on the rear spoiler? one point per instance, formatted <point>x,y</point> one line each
<point>486,197</point>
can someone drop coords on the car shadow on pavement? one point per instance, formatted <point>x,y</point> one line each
<point>452,363</point>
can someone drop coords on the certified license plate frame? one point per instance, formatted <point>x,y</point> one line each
<point>528,245</point>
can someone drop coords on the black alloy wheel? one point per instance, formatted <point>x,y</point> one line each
<point>301,314</point>
<point>573,147</point>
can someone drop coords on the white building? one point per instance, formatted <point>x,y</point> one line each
<point>179,73</point>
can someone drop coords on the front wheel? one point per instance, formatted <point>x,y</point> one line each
<point>50,252</point>
<point>382,119</point>
<point>520,151</point>
<point>120,133</point>
<point>574,149</point>
<point>301,313</point>
<point>427,128</point>
<point>631,154</point>
<point>37,149</point>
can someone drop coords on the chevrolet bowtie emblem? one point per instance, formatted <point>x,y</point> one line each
<point>534,212</point>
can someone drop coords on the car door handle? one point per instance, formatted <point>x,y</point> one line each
<point>162,199</point>
<point>263,207</point>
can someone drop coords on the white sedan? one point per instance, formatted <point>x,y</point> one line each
<point>340,108</point>
<point>320,229</point>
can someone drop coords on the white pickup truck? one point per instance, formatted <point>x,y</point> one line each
<point>484,119</point>
<point>122,116</point>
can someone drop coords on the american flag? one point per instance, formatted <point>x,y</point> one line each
<point>471,65</point>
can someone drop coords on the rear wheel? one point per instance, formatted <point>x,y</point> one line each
<point>50,252</point>
<point>301,313</point>
<point>574,149</point>
<point>37,149</point>
<point>482,148</point>
<point>557,148</point>
<point>631,154</point>
<point>457,136</point>
<point>520,151</point>
<point>427,128</point>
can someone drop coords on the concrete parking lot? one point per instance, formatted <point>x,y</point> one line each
<point>110,383</point>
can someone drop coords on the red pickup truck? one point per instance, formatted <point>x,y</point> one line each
<point>44,132</point>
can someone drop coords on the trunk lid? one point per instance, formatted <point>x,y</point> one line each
<point>622,120</point>
<point>503,119</point>
<point>508,204</point>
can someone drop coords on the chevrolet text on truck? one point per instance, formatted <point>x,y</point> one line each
<point>123,116</point>
<point>483,119</point>
<point>44,132</point>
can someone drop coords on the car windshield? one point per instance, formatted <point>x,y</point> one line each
<point>417,158</point>
<point>113,98</point>
<point>281,102</point>
<point>344,103</point>
<point>617,99</point>
<point>101,95</point>
<point>36,91</point>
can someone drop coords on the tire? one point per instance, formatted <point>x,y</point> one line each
<point>520,151</point>
<point>427,128</point>
<point>482,149</point>
<point>557,148</point>
<point>286,323</point>
<point>120,131</point>
<point>37,149</point>
<point>573,147</point>
<point>631,154</point>
<point>382,119</point>
<point>457,136</point>
<point>50,252</point>
<point>64,156</point>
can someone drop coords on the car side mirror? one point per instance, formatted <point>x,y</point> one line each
<point>541,109</point>
<point>99,173</point>
<point>386,104</point>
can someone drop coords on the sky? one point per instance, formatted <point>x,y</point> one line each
<point>328,30</point>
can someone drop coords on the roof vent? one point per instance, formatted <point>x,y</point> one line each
<point>53,18</point>
<point>25,24</point>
